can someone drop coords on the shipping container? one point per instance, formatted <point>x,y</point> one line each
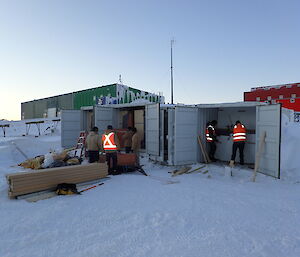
<point>170,131</point>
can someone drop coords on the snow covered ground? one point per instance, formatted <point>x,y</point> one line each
<point>132,215</point>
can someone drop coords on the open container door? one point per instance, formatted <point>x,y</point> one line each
<point>104,116</point>
<point>185,135</point>
<point>268,119</point>
<point>152,128</point>
<point>70,127</point>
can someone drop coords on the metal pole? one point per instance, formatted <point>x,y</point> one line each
<point>172,42</point>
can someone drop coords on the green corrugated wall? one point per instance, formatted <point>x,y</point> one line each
<point>37,108</point>
<point>76,100</point>
<point>88,97</point>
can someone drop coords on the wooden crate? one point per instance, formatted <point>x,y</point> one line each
<point>124,159</point>
<point>127,159</point>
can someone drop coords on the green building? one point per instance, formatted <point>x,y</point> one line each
<point>110,94</point>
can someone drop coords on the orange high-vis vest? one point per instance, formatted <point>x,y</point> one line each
<point>239,133</point>
<point>109,142</point>
<point>208,137</point>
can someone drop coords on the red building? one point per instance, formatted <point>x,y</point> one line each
<point>287,94</point>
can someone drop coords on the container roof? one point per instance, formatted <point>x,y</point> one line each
<point>234,104</point>
<point>217,105</point>
<point>83,90</point>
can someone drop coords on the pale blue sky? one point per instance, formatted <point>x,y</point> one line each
<point>222,48</point>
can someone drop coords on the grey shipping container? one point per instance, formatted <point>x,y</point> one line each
<point>171,131</point>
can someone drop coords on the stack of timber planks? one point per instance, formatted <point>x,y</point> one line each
<point>34,181</point>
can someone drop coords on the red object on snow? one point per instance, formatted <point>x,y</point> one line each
<point>124,159</point>
<point>127,159</point>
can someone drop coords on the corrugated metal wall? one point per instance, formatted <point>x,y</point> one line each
<point>185,135</point>
<point>88,97</point>
<point>128,94</point>
<point>27,110</point>
<point>39,108</point>
<point>34,109</point>
<point>76,100</point>
<point>65,102</point>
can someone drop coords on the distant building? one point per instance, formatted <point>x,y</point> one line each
<point>287,94</point>
<point>111,94</point>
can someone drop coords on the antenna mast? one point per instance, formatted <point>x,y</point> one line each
<point>172,42</point>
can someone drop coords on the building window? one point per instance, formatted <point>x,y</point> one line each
<point>269,98</point>
<point>281,97</point>
<point>258,99</point>
<point>292,100</point>
<point>293,95</point>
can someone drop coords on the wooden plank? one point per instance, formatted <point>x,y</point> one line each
<point>181,171</point>
<point>65,169</point>
<point>57,171</point>
<point>47,174</point>
<point>41,183</point>
<point>34,181</point>
<point>203,150</point>
<point>42,171</point>
<point>29,182</point>
<point>48,177</point>
<point>45,186</point>
<point>25,182</point>
<point>40,187</point>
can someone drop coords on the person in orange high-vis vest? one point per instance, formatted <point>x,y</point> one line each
<point>110,143</point>
<point>239,138</point>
